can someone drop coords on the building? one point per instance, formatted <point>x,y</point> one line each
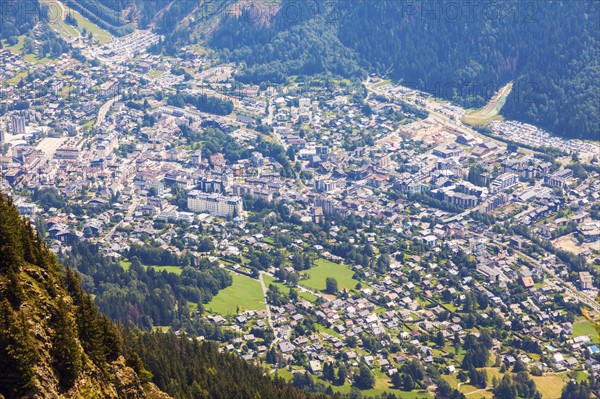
<point>504,181</point>
<point>215,204</point>
<point>17,125</point>
<point>109,89</point>
<point>447,151</point>
<point>67,153</point>
<point>484,149</point>
<point>217,159</point>
<point>325,185</point>
<point>590,231</point>
<point>197,158</point>
<point>318,215</point>
<point>493,203</point>
<point>586,281</point>
<point>559,178</point>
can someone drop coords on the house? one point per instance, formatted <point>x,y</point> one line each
<point>527,281</point>
<point>109,89</point>
<point>69,236</point>
<point>315,366</point>
<point>286,347</point>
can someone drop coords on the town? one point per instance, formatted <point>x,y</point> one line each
<point>363,224</point>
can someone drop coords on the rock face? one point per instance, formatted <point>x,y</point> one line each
<point>54,343</point>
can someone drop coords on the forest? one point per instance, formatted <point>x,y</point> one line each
<point>38,294</point>
<point>307,47</point>
<point>19,18</point>
<point>144,297</point>
<point>107,14</point>
<point>185,368</point>
<point>464,55</point>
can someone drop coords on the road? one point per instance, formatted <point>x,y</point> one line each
<point>264,289</point>
<point>130,211</point>
<point>104,110</point>
<point>302,289</point>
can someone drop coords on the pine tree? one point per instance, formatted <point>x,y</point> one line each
<point>18,353</point>
<point>65,350</point>
<point>91,331</point>
<point>11,246</point>
<point>272,356</point>
<point>112,340</point>
<point>342,374</point>
<point>328,371</point>
<point>364,379</point>
<point>439,339</point>
<point>408,384</point>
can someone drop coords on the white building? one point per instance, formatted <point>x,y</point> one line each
<point>18,125</point>
<point>215,204</point>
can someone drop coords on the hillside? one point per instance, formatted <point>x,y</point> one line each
<point>186,368</point>
<point>53,339</point>
<point>550,51</point>
<point>17,20</point>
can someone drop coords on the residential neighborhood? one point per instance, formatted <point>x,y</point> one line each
<point>363,224</point>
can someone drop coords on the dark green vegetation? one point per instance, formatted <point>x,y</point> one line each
<point>17,22</point>
<point>463,52</point>
<point>107,14</point>
<point>122,17</point>
<point>19,18</point>
<point>578,390</point>
<point>203,103</point>
<point>290,46</point>
<point>146,298</point>
<point>51,333</point>
<point>185,368</point>
<point>460,52</point>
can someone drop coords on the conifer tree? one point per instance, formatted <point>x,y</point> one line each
<point>65,350</point>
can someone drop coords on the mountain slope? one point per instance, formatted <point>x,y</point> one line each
<point>18,18</point>
<point>185,368</point>
<point>53,340</point>
<point>460,51</point>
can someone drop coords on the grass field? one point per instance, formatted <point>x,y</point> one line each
<point>272,280</point>
<point>17,47</point>
<point>125,264</point>
<point>286,289</point>
<point>381,84</point>
<point>245,293</point>
<point>470,390</point>
<point>382,384</point>
<point>323,269</point>
<point>17,78</point>
<point>585,327</point>
<point>69,32</point>
<point>550,386</point>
